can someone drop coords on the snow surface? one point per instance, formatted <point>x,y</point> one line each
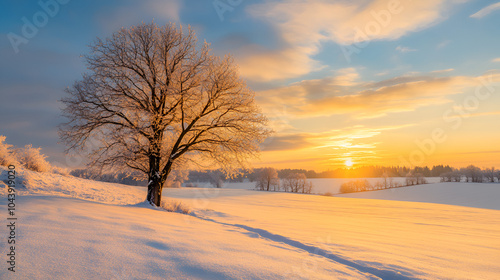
<point>71,228</point>
<point>481,195</point>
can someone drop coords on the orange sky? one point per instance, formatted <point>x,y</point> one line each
<point>423,120</point>
<point>364,81</point>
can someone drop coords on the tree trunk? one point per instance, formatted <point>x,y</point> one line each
<point>155,184</point>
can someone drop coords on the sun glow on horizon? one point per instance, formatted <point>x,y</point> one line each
<point>348,163</point>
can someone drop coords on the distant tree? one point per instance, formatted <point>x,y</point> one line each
<point>387,180</point>
<point>446,177</point>
<point>472,174</point>
<point>155,100</point>
<point>311,174</point>
<point>456,176</point>
<point>438,170</point>
<point>420,179</point>
<point>216,178</point>
<point>176,178</point>
<point>490,174</point>
<point>357,186</point>
<point>308,187</point>
<point>410,179</point>
<point>268,179</point>
<point>377,186</point>
<point>425,171</point>
<point>297,182</point>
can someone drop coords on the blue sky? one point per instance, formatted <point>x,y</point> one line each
<point>419,60</point>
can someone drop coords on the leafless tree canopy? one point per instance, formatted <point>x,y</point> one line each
<point>297,182</point>
<point>155,99</point>
<point>268,180</point>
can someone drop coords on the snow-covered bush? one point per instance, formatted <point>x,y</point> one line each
<point>356,186</point>
<point>268,180</point>
<point>297,182</point>
<point>175,206</point>
<point>32,159</point>
<point>176,178</point>
<point>6,153</point>
<point>60,170</point>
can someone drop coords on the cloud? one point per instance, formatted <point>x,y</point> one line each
<point>286,142</point>
<point>342,21</point>
<point>338,139</point>
<point>303,25</point>
<point>257,63</point>
<point>496,60</point>
<point>482,114</point>
<point>405,49</point>
<point>357,143</point>
<point>361,100</point>
<point>486,11</point>
<point>443,71</point>
<point>131,12</point>
<point>443,44</point>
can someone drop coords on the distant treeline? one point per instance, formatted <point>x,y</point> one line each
<point>217,177</point>
<point>357,172</point>
<point>472,174</point>
<point>362,185</point>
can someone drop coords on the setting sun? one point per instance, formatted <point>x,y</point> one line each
<point>348,163</point>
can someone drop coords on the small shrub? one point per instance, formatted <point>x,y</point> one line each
<point>60,170</point>
<point>32,159</point>
<point>355,186</point>
<point>328,194</point>
<point>6,154</point>
<point>191,185</point>
<point>175,206</point>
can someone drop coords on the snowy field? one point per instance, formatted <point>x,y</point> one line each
<point>321,185</point>
<point>485,195</point>
<point>73,228</point>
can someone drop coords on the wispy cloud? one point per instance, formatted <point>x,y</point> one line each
<point>482,114</point>
<point>405,49</point>
<point>486,11</point>
<point>303,25</point>
<point>356,143</point>
<point>257,63</point>
<point>337,139</point>
<point>496,60</point>
<point>443,71</point>
<point>361,100</point>
<point>443,44</point>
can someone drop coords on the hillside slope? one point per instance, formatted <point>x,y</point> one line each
<point>72,228</point>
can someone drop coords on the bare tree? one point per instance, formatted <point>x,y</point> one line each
<point>297,182</point>
<point>490,174</point>
<point>446,176</point>
<point>176,178</point>
<point>268,178</point>
<point>410,179</point>
<point>473,174</point>
<point>154,100</point>
<point>456,176</point>
<point>420,179</point>
<point>359,186</point>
